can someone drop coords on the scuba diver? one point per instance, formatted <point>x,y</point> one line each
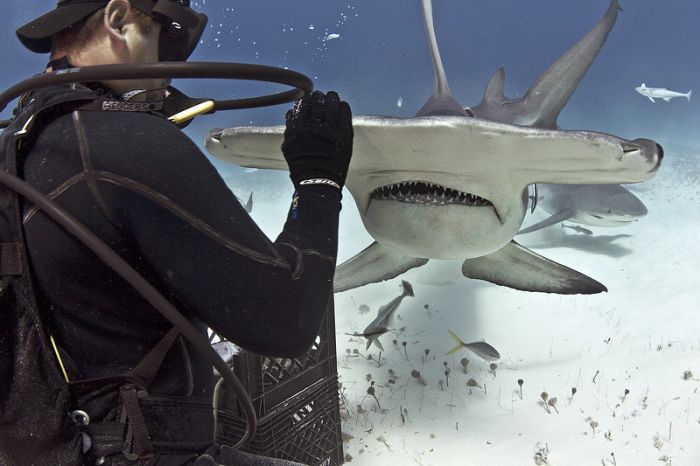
<point>106,152</point>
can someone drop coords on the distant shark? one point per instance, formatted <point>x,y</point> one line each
<point>660,93</point>
<point>597,205</point>
<point>578,229</point>
<point>448,185</point>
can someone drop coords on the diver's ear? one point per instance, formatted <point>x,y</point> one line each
<point>116,14</point>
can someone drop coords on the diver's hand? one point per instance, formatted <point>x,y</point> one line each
<point>318,140</point>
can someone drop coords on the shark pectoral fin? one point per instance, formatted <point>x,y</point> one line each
<point>553,220</point>
<point>652,100</point>
<point>374,264</point>
<point>517,267</point>
<point>249,146</point>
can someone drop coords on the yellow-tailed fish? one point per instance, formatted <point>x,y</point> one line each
<point>480,348</point>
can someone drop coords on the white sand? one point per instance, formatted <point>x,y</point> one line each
<point>641,336</point>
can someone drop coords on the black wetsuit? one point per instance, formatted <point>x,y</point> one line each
<point>142,186</point>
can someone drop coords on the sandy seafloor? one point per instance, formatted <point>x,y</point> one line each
<point>642,336</point>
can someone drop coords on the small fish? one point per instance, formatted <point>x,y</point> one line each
<point>331,37</point>
<point>249,205</point>
<point>578,229</point>
<point>399,102</point>
<point>661,93</point>
<point>480,348</point>
<point>534,198</point>
<point>380,325</point>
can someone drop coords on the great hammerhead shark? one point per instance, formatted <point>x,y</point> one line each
<point>451,183</point>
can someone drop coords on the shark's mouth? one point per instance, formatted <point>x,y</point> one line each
<point>420,192</point>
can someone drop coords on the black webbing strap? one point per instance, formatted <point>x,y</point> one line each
<point>10,259</point>
<point>175,425</point>
<point>129,432</point>
<point>146,370</point>
<point>137,441</point>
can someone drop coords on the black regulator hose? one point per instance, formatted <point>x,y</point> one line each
<point>140,284</point>
<point>191,70</point>
<point>210,70</point>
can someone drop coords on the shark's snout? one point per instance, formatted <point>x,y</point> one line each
<point>660,151</point>
<point>652,151</point>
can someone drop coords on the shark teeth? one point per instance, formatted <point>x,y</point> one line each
<point>421,192</point>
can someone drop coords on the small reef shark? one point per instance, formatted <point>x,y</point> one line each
<point>385,315</point>
<point>607,205</point>
<point>447,185</point>
<point>578,229</point>
<point>660,93</point>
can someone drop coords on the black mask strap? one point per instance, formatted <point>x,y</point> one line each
<point>182,26</point>
<point>177,12</point>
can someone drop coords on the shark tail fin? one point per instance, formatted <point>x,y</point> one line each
<point>379,344</point>
<point>459,344</point>
<point>407,288</point>
<point>687,96</point>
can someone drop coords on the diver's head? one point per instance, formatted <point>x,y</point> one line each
<point>95,32</point>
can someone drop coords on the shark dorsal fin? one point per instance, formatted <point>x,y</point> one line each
<point>494,90</point>
<point>441,102</point>
<point>441,86</point>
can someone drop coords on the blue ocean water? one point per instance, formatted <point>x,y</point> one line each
<point>380,55</point>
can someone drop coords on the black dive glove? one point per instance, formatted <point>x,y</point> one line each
<point>318,140</point>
